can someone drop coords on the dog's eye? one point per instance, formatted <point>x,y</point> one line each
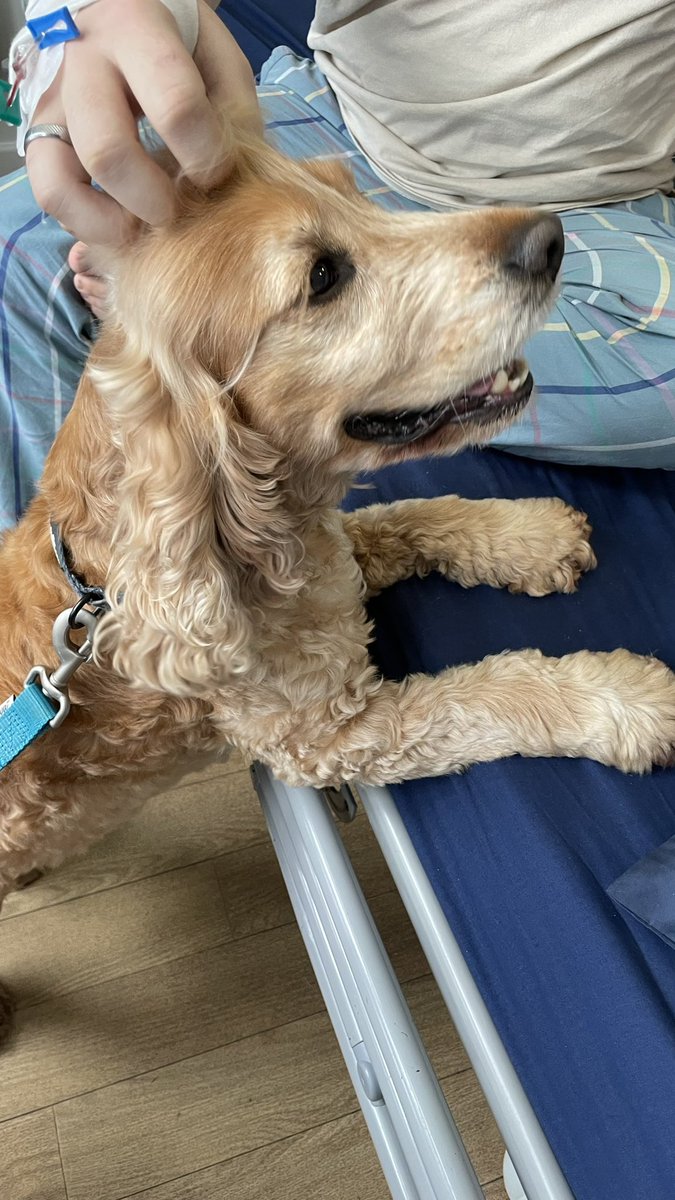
<point>329,275</point>
<point>323,276</point>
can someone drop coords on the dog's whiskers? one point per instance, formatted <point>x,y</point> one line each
<point>457,414</point>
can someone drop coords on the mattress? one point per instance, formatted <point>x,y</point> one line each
<point>521,852</point>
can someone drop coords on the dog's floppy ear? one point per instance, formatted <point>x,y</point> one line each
<point>334,173</point>
<point>202,534</point>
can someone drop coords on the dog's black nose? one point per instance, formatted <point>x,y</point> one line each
<point>536,248</point>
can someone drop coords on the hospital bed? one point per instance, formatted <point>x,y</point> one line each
<point>564,1000</point>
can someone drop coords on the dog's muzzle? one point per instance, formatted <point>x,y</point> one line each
<point>496,397</point>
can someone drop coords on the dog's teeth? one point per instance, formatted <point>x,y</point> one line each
<point>521,371</point>
<point>517,382</point>
<point>499,382</point>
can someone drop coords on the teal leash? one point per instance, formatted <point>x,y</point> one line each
<point>44,701</point>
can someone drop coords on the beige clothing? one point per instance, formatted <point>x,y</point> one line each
<point>467,102</point>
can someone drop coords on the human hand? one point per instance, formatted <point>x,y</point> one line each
<point>129,61</point>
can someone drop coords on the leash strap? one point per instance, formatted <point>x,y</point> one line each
<point>22,720</point>
<point>44,699</point>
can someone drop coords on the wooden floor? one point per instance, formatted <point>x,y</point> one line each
<point>172,1042</point>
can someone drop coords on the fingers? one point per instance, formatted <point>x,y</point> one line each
<point>227,74</point>
<point>62,186</point>
<point>63,189</point>
<point>172,94</point>
<point>105,136</point>
<point>131,58</point>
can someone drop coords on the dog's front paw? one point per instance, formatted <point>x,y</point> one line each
<point>638,696</point>
<point>553,551</point>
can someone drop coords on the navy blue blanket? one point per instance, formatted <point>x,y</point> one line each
<point>261,25</point>
<point>521,852</point>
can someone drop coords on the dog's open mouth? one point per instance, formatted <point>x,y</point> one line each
<point>498,395</point>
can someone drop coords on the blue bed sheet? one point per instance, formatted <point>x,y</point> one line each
<point>521,852</point>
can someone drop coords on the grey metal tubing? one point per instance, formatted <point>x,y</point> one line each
<point>532,1157</point>
<point>421,1151</point>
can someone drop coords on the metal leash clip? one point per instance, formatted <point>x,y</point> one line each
<point>72,657</point>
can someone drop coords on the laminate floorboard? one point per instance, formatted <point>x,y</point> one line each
<point>171,1040</point>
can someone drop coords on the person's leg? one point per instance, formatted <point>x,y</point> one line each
<point>303,120</point>
<point>45,335</point>
<point>604,363</point>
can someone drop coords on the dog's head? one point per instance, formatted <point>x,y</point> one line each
<point>285,331</point>
<point>346,335</point>
<point>376,336</point>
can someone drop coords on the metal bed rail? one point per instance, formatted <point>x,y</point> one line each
<point>532,1159</point>
<point>418,1144</point>
<point>421,1152</point>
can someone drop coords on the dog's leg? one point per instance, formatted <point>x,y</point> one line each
<point>533,546</point>
<point>617,708</point>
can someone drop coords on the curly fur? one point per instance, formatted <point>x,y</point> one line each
<point>199,473</point>
<point>198,505</point>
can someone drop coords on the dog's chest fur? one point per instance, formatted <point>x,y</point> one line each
<point>312,667</point>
